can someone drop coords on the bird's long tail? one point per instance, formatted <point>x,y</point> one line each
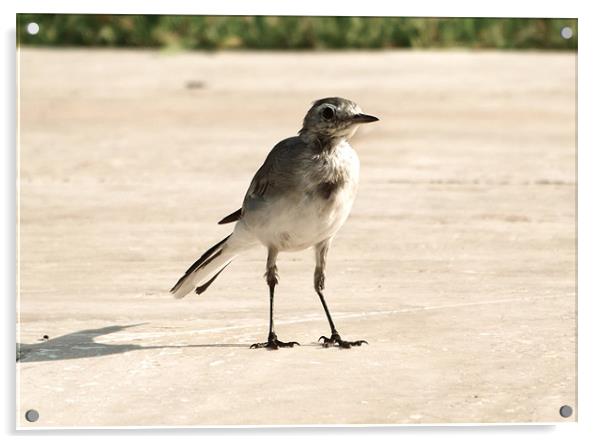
<point>205,270</point>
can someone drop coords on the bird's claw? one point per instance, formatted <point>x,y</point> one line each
<point>274,344</point>
<point>335,339</point>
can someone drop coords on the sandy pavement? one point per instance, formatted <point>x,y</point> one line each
<point>457,264</point>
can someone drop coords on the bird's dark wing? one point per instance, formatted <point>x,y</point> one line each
<point>263,179</point>
<point>277,174</point>
<point>232,217</point>
<point>262,183</point>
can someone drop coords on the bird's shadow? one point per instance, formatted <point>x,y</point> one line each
<point>81,344</point>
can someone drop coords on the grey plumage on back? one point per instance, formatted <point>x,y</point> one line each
<point>298,198</point>
<point>279,172</point>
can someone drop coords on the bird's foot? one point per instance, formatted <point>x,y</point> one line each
<point>273,343</point>
<point>335,339</point>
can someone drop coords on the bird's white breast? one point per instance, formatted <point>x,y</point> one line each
<point>314,214</point>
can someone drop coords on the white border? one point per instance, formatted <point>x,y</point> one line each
<point>590,220</point>
<point>467,8</point>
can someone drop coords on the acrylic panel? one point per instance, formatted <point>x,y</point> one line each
<point>456,265</point>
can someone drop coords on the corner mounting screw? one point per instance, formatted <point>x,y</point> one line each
<point>566,411</point>
<point>32,415</point>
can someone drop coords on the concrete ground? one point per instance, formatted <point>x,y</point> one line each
<point>457,264</point>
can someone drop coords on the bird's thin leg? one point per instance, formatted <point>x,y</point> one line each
<point>333,329</point>
<point>271,276</point>
<point>272,286</point>
<point>319,285</point>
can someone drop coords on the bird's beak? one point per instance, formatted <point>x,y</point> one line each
<point>364,118</point>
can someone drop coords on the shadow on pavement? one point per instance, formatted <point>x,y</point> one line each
<point>81,344</point>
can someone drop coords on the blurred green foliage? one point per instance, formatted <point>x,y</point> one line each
<point>271,32</point>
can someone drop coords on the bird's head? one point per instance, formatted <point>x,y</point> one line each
<point>333,118</point>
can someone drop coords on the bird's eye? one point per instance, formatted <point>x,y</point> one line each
<point>328,113</point>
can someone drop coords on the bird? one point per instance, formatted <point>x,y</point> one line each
<point>299,198</point>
